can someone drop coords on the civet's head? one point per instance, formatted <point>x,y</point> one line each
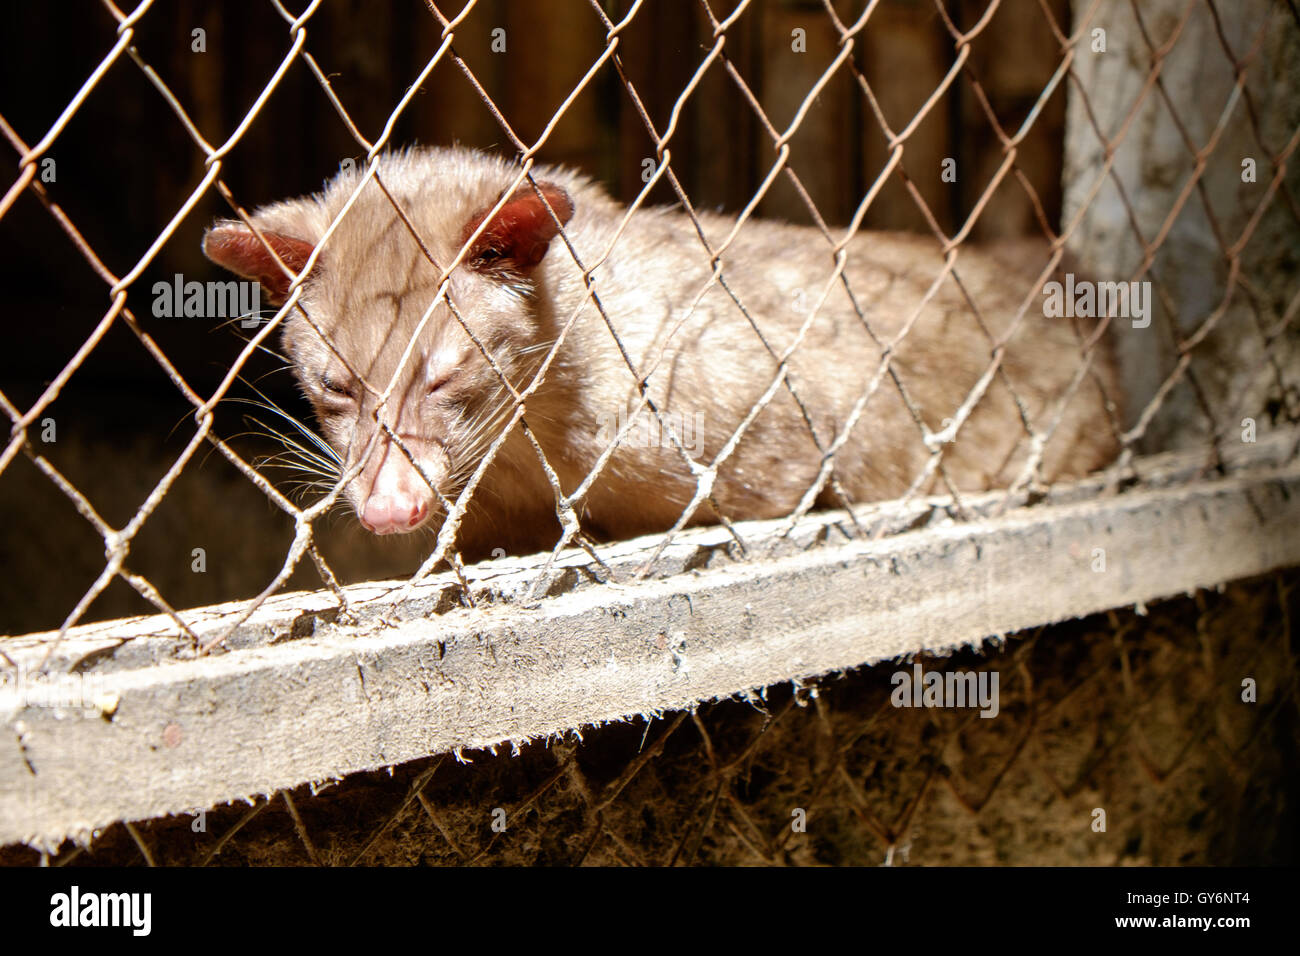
<point>361,326</point>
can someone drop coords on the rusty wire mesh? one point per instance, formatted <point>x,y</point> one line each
<point>729,777</point>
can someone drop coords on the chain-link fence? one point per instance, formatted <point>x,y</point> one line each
<point>685,369</point>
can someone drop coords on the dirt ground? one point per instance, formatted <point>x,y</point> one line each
<point>1120,739</point>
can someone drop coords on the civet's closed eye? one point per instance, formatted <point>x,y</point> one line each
<point>336,387</point>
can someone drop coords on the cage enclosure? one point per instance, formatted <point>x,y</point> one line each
<point>904,657</point>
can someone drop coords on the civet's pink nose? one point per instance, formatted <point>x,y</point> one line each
<point>393,514</point>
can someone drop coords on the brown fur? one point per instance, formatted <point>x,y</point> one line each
<point>373,284</point>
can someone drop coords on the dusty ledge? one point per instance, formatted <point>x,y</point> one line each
<point>297,697</point>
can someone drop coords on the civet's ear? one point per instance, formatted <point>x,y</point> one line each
<point>234,246</point>
<point>520,233</point>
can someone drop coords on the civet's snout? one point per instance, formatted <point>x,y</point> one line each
<point>391,496</point>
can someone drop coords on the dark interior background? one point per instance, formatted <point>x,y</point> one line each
<point>125,165</point>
